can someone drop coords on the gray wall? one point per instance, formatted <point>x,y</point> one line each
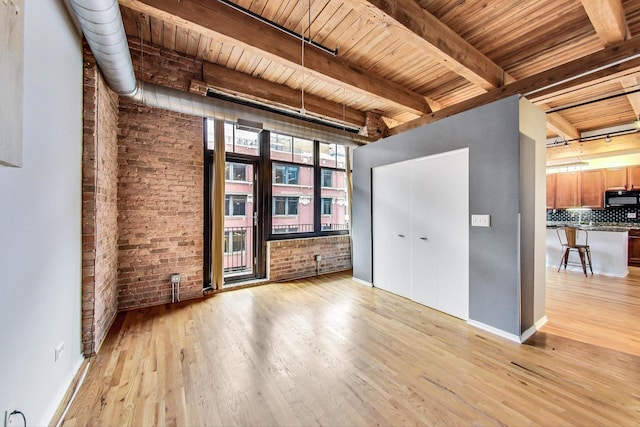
<point>492,134</point>
<point>40,222</point>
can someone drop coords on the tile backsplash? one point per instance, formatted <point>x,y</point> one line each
<point>596,216</point>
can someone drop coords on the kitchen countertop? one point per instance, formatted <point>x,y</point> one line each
<point>619,227</point>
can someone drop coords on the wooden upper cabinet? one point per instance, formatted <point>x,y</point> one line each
<point>633,177</point>
<point>567,190</point>
<point>552,180</point>
<point>615,179</point>
<point>592,189</point>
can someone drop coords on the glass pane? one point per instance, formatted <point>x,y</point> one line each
<point>341,157</point>
<point>281,147</point>
<point>211,124</point>
<point>328,155</point>
<point>292,202</point>
<point>238,221</point>
<point>247,142</point>
<point>302,151</point>
<point>335,215</point>
<point>228,137</point>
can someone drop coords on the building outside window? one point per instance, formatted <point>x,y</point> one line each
<point>235,205</point>
<point>285,205</point>
<point>327,206</point>
<point>327,178</point>
<point>283,174</point>
<point>235,172</point>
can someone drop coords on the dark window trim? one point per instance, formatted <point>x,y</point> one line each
<point>208,177</point>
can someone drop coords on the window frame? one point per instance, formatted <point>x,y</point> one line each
<point>317,199</point>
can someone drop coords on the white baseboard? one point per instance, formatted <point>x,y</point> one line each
<point>528,333</point>
<point>362,282</point>
<point>541,322</point>
<point>495,331</point>
<point>511,337</point>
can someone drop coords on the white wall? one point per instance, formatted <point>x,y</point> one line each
<point>40,222</point>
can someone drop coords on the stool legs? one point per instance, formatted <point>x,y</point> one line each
<point>589,258</point>
<point>582,251</point>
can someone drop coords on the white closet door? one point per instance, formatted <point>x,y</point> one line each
<point>391,204</point>
<point>440,240</point>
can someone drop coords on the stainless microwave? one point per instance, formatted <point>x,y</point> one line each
<point>621,198</point>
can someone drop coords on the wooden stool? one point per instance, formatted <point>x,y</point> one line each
<point>569,243</point>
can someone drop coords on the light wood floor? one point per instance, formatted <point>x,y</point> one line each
<point>329,351</point>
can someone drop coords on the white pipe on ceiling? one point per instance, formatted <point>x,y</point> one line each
<point>101,24</point>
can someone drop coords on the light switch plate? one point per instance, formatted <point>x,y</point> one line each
<point>481,220</point>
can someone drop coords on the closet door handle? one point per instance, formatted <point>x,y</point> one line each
<point>424,238</point>
<point>400,235</point>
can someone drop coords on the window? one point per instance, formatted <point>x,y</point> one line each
<point>235,205</point>
<point>285,205</point>
<point>241,141</point>
<point>335,201</point>
<point>283,174</point>
<point>291,149</point>
<point>332,155</point>
<point>235,172</point>
<point>292,193</point>
<point>234,241</point>
<point>327,205</point>
<point>327,178</point>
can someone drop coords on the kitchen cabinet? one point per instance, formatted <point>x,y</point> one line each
<point>634,248</point>
<point>421,230</point>
<point>552,180</point>
<point>592,189</point>
<point>567,190</point>
<point>615,179</point>
<point>633,177</point>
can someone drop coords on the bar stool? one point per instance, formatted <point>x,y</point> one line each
<point>569,243</point>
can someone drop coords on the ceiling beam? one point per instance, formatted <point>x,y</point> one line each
<point>609,55</point>
<point>442,43</point>
<point>561,126</point>
<point>455,53</point>
<point>610,23</point>
<point>216,20</point>
<point>630,83</point>
<point>608,19</point>
<point>237,83</point>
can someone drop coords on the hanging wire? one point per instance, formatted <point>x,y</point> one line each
<point>303,109</point>
<point>344,107</point>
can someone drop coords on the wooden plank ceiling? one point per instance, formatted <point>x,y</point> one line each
<point>405,59</point>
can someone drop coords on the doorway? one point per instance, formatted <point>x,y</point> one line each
<point>241,220</point>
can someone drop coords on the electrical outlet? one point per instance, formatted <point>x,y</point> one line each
<point>58,352</point>
<point>10,420</point>
<point>481,220</point>
<point>175,278</point>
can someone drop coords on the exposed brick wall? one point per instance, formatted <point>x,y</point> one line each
<point>164,67</point>
<point>288,259</point>
<point>99,211</point>
<point>160,205</point>
<point>160,188</point>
